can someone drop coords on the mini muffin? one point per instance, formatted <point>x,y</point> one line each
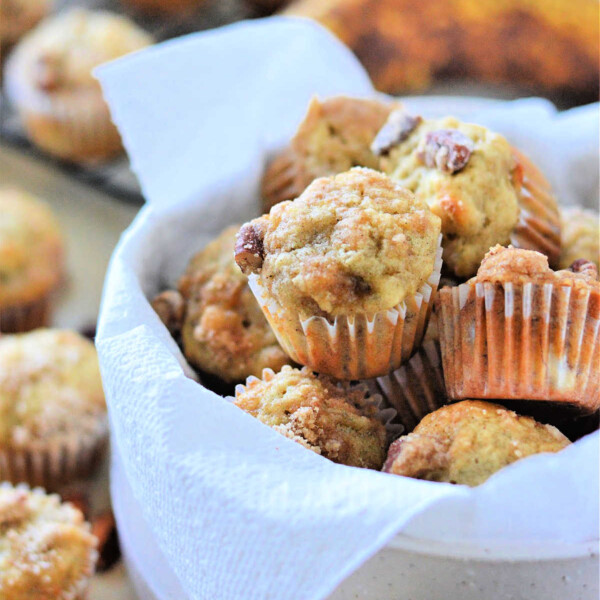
<point>346,273</point>
<point>580,236</point>
<point>19,16</point>
<point>335,135</point>
<point>46,549</point>
<point>519,330</point>
<point>53,424</point>
<point>49,80</point>
<point>485,192</point>
<point>467,442</point>
<point>31,261</point>
<point>338,421</point>
<point>223,329</point>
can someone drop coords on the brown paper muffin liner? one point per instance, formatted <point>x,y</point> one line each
<point>521,341</point>
<point>417,388</point>
<point>539,225</point>
<point>353,347</point>
<point>26,316</point>
<point>53,464</point>
<point>284,179</point>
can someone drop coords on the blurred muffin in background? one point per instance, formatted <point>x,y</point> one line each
<point>580,236</point>
<point>545,47</point>
<point>163,7</point>
<point>46,549</point>
<point>53,424</point>
<point>31,261</point>
<point>18,17</point>
<point>49,80</point>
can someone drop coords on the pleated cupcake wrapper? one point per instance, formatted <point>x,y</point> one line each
<point>521,341</point>
<point>284,179</point>
<point>25,316</point>
<point>386,414</point>
<point>539,226</point>
<point>415,389</point>
<point>51,465</point>
<point>357,346</point>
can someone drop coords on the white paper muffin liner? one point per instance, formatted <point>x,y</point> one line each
<point>521,341</point>
<point>356,346</point>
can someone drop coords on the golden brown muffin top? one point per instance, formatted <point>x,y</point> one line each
<point>50,387</point>
<point>31,247</point>
<point>580,236</point>
<point>465,174</point>
<point>355,242</point>
<point>502,265</point>
<point>224,330</point>
<point>46,549</point>
<point>469,441</point>
<point>332,419</point>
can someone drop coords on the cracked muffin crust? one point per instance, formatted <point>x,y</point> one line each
<point>338,421</point>
<point>469,441</point>
<point>46,549</point>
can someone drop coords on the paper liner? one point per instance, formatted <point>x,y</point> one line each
<point>53,464</point>
<point>416,388</point>
<point>521,341</point>
<point>539,225</point>
<point>356,346</point>
<point>26,316</point>
<point>284,179</point>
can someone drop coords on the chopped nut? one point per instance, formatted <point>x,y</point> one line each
<point>105,530</point>
<point>396,129</point>
<point>446,149</point>
<point>582,265</point>
<point>249,250</point>
<point>170,307</point>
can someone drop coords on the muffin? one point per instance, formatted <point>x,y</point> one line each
<point>484,191</point>
<point>53,424</point>
<point>467,442</point>
<point>18,17</point>
<point>223,330</point>
<point>31,261</point>
<point>49,80</point>
<point>334,136</point>
<point>338,421</point>
<point>580,236</point>
<point>46,549</point>
<point>519,330</point>
<point>346,273</point>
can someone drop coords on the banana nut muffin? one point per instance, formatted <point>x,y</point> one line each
<point>46,549</point>
<point>580,236</point>
<point>356,242</point>
<point>337,421</point>
<point>335,135</point>
<point>471,178</point>
<point>467,442</point>
<point>223,329</point>
<point>31,260</point>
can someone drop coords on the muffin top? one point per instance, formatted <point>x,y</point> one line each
<point>31,248</point>
<point>332,419</point>
<point>580,237</point>
<point>469,441</point>
<point>464,172</point>
<point>60,54</point>
<point>46,549</point>
<point>224,331</point>
<point>355,242</point>
<point>49,386</point>
<point>514,265</point>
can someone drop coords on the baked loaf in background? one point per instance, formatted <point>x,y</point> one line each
<point>544,47</point>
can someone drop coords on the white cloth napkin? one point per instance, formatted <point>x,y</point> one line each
<point>239,511</point>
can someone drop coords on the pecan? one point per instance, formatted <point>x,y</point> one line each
<point>588,268</point>
<point>105,530</point>
<point>396,129</point>
<point>249,249</point>
<point>170,308</point>
<point>446,149</point>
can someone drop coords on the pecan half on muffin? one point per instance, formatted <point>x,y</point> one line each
<point>223,330</point>
<point>335,135</point>
<point>485,192</point>
<point>346,273</point>
<point>467,442</point>
<point>338,421</point>
<point>519,330</point>
<point>46,549</point>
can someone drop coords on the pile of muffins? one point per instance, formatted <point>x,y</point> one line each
<point>53,422</point>
<point>401,281</point>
